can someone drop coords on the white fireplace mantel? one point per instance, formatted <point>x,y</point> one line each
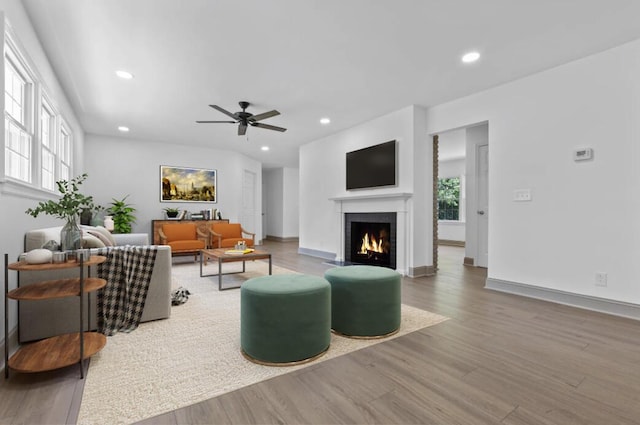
<point>379,202</point>
<point>402,195</point>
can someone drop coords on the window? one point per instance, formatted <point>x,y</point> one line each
<point>38,143</point>
<point>17,122</point>
<point>14,92</point>
<point>47,141</point>
<point>449,198</point>
<point>64,152</point>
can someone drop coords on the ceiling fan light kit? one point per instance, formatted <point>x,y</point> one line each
<point>245,119</point>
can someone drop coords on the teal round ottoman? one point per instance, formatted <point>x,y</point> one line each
<point>365,301</point>
<point>285,319</point>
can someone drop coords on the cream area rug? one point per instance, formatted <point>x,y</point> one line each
<point>195,354</point>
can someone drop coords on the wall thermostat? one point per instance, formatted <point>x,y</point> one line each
<point>582,154</point>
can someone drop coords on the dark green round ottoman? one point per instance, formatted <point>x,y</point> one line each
<point>285,319</point>
<point>365,301</point>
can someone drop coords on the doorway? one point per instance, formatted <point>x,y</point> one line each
<point>461,157</point>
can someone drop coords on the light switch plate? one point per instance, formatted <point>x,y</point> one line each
<point>522,195</point>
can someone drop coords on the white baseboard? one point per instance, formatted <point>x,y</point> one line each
<point>421,271</point>
<point>316,253</point>
<point>450,242</point>
<point>603,305</point>
<point>282,239</point>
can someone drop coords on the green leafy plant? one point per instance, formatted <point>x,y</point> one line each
<point>123,216</point>
<point>172,212</point>
<point>70,204</point>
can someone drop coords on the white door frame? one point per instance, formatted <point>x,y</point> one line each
<point>482,206</point>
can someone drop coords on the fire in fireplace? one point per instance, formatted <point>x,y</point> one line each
<point>370,238</point>
<point>371,243</point>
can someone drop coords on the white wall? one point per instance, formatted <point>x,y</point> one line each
<point>290,202</point>
<point>14,221</point>
<point>322,176</point>
<point>274,201</point>
<point>583,217</point>
<point>119,167</point>
<point>452,168</point>
<point>281,188</point>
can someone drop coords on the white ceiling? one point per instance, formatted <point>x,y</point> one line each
<point>350,60</point>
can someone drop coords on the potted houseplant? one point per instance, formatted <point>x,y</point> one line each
<point>122,215</point>
<point>68,208</point>
<point>172,212</point>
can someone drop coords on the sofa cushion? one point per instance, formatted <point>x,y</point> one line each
<point>36,238</point>
<point>228,230</point>
<point>180,232</point>
<point>193,245</point>
<point>231,242</point>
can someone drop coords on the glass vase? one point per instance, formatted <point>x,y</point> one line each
<point>70,235</point>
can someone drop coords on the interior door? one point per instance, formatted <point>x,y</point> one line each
<point>482,167</point>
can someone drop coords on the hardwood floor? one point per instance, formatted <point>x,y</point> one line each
<point>500,359</point>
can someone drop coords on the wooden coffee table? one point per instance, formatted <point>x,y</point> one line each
<point>220,255</point>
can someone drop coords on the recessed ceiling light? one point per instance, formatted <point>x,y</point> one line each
<point>124,74</point>
<point>325,121</point>
<point>123,129</point>
<point>265,148</point>
<point>471,57</point>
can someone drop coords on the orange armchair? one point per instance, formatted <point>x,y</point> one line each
<point>183,238</point>
<point>226,235</point>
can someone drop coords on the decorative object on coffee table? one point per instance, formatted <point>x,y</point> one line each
<point>68,207</point>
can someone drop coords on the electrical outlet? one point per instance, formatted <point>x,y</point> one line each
<point>601,279</point>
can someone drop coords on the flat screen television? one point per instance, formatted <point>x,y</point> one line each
<point>374,166</point>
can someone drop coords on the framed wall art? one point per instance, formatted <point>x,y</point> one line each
<point>182,184</point>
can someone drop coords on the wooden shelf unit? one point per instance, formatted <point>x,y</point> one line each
<point>61,350</point>
<point>56,352</point>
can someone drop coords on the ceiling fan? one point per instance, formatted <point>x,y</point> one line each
<point>244,119</point>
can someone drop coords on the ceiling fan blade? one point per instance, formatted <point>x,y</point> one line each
<point>207,122</point>
<point>268,127</point>
<point>264,115</point>
<point>242,129</point>
<point>224,111</point>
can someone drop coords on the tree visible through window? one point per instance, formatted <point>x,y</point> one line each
<point>449,198</point>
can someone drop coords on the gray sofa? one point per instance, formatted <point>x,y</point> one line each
<point>42,319</point>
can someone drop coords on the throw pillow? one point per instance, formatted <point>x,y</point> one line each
<point>90,241</point>
<point>103,234</point>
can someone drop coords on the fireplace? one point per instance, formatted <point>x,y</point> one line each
<point>370,238</point>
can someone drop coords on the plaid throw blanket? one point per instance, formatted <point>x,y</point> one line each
<point>128,273</point>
